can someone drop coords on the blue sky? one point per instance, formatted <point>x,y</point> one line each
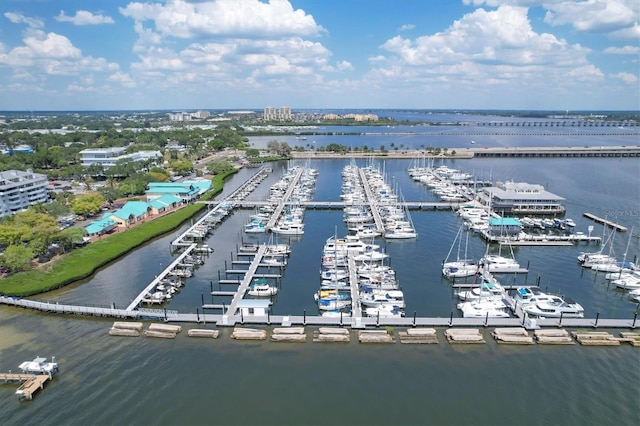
<point>236,54</point>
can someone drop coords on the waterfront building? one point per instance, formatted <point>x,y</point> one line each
<point>107,157</point>
<point>504,226</point>
<point>19,190</point>
<point>185,191</point>
<point>521,198</point>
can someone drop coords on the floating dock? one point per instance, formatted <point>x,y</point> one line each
<point>606,222</point>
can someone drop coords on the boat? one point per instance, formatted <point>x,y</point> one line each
<point>288,228</point>
<point>261,288</point>
<point>374,297</point>
<point>254,227</point>
<point>384,311</point>
<point>635,295</point>
<point>556,307</point>
<point>461,267</point>
<point>39,366</point>
<point>483,308</point>
<point>497,263</point>
<point>485,291</point>
<point>333,304</point>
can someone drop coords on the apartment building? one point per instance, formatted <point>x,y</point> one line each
<point>277,114</point>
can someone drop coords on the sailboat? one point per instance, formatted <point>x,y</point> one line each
<point>460,267</point>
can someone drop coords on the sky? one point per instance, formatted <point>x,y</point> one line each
<point>319,54</point>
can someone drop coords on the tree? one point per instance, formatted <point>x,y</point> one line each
<point>273,146</point>
<point>252,152</point>
<point>17,258</point>
<point>88,204</point>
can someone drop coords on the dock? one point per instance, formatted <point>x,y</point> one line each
<point>606,222</point>
<point>283,202</point>
<point>31,383</point>
<point>371,202</point>
<point>356,309</point>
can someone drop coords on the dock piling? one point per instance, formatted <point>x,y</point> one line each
<point>414,318</point>
<point>304,317</point>
<point>595,325</point>
<point>560,320</point>
<point>486,319</point>
<point>450,318</point>
<point>635,315</point>
<point>198,315</point>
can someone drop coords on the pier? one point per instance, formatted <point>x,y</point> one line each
<point>605,222</point>
<point>371,202</point>
<point>31,383</point>
<point>287,195</point>
<point>139,298</point>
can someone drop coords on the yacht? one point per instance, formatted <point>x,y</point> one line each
<point>484,308</point>
<point>555,308</point>
<point>486,291</point>
<point>375,297</point>
<point>288,228</point>
<point>460,268</point>
<point>384,311</point>
<point>262,288</point>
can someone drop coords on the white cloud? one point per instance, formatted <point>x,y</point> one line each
<point>594,15</point>
<point>247,18</point>
<point>344,66</point>
<point>626,77</point>
<point>406,27</point>
<point>123,79</point>
<point>19,18</point>
<point>625,50</point>
<point>632,33</point>
<point>83,17</point>
<point>54,54</point>
<point>503,36</point>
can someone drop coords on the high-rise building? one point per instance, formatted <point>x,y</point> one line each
<point>19,190</point>
<point>270,113</point>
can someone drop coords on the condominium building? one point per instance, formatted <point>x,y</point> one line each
<point>277,114</point>
<point>107,157</point>
<point>19,190</point>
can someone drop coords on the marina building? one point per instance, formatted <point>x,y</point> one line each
<point>520,198</point>
<point>107,157</point>
<point>19,190</point>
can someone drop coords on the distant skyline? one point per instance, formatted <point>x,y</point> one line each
<point>241,54</point>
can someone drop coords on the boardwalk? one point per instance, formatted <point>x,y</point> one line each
<point>278,210</point>
<point>356,309</point>
<point>138,300</point>
<point>372,202</point>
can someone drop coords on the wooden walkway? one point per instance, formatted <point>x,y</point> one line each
<point>356,309</point>
<point>606,222</point>
<point>372,202</point>
<point>278,210</point>
<point>347,321</point>
<point>138,300</point>
<point>249,275</point>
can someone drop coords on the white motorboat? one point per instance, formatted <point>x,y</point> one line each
<point>254,227</point>
<point>484,308</point>
<point>370,255</point>
<point>374,297</point>
<point>289,228</point>
<point>333,304</point>
<point>635,295</point>
<point>497,263</point>
<point>524,295</point>
<point>384,311</point>
<point>39,366</point>
<point>348,244</point>
<point>280,260</point>
<point>555,308</point>
<point>485,291</point>
<point>400,233</point>
<point>334,274</point>
<point>630,283</point>
<point>261,288</point>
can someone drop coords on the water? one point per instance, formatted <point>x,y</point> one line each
<point>109,380</point>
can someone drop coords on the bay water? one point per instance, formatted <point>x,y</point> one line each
<point>113,380</point>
